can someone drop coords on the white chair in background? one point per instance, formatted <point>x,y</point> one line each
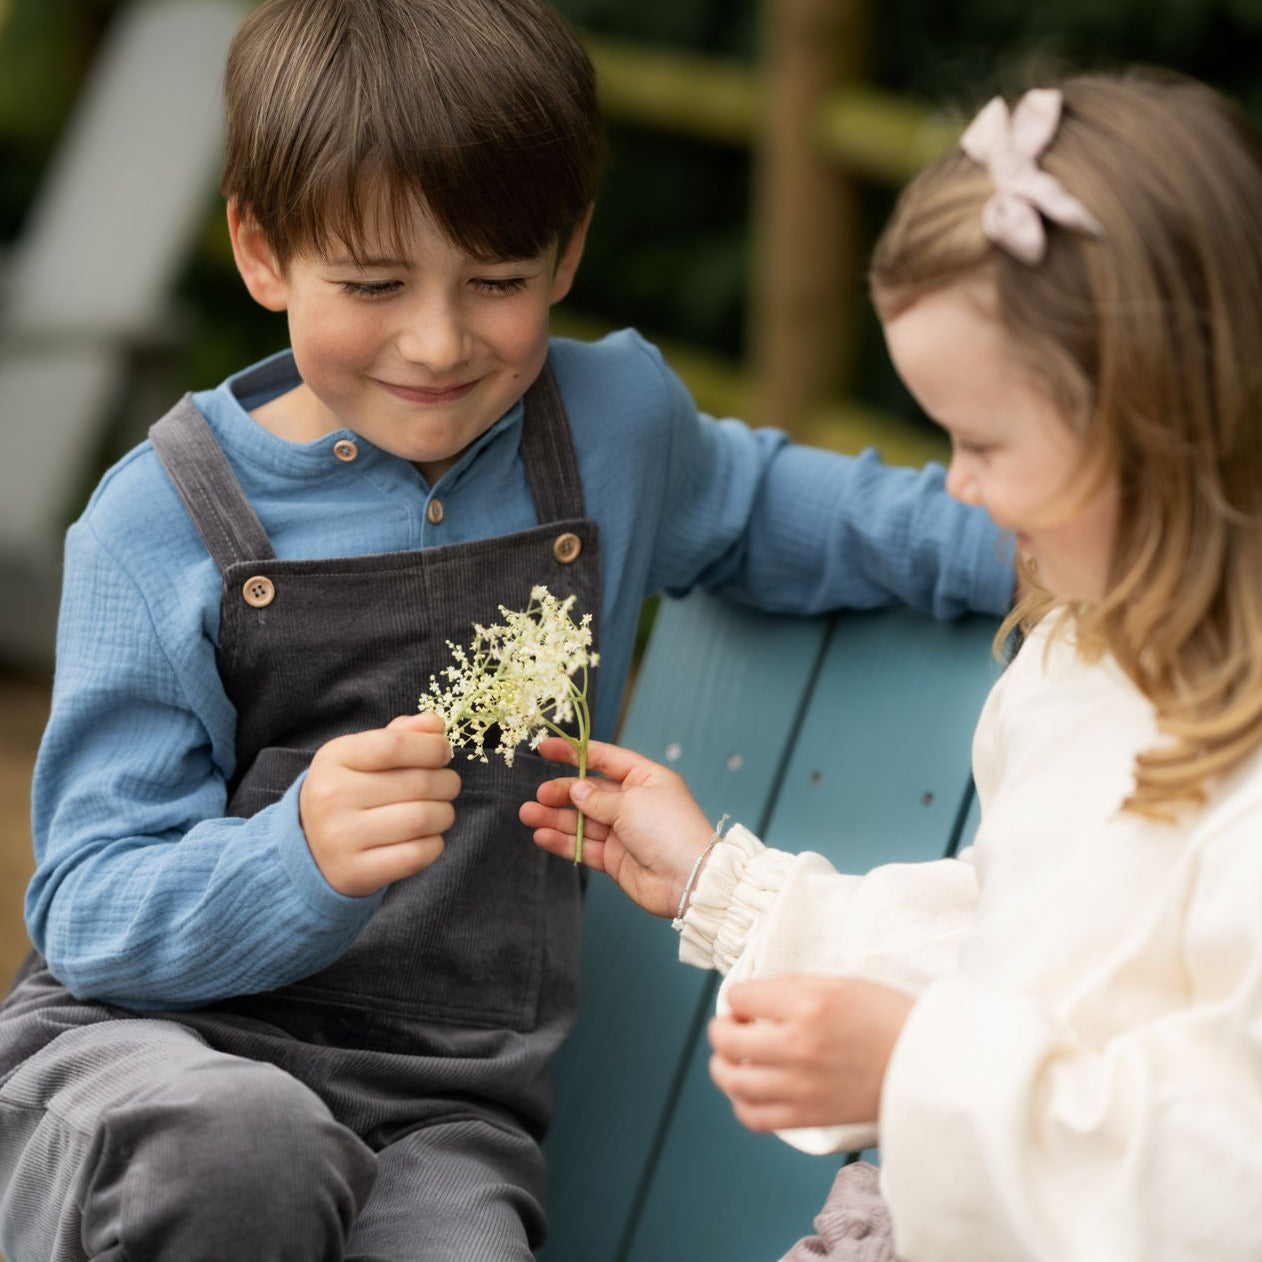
<point>90,279</point>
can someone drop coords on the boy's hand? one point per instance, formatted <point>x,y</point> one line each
<point>375,804</point>
<point>806,1051</point>
<point>643,827</point>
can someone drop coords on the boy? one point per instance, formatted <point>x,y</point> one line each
<point>290,1003</point>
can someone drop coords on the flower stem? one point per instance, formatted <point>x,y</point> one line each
<point>582,775</point>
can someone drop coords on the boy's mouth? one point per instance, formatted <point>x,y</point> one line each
<point>429,395</point>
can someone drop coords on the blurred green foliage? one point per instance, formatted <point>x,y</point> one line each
<point>670,247</point>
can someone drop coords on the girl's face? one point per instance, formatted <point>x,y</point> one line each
<point>1014,452</point>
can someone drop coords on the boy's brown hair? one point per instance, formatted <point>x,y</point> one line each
<point>346,116</point>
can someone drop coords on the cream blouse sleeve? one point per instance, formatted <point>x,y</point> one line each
<point>763,913</point>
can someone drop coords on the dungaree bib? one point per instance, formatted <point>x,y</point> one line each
<point>458,991</point>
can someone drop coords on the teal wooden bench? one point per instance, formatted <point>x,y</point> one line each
<point>848,735</point>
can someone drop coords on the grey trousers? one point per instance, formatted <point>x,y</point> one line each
<point>132,1140</point>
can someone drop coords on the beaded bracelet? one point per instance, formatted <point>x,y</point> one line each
<point>678,923</point>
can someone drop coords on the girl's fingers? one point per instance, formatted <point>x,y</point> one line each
<point>611,761</point>
<point>752,1084</point>
<point>558,843</point>
<point>615,762</point>
<point>766,998</point>
<point>555,792</point>
<point>763,1118</point>
<point>599,800</point>
<point>565,822</point>
<point>763,1043</point>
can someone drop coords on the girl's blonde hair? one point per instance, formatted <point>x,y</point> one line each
<point>1149,340</point>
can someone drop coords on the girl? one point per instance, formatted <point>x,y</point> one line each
<point>1059,1033</point>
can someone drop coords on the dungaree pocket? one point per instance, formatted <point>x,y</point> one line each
<point>267,779</point>
<point>460,943</point>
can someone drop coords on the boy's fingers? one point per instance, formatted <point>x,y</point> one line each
<point>554,749</point>
<point>402,822</point>
<point>401,744</point>
<point>426,721</point>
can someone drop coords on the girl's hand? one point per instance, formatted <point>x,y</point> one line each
<point>375,804</point>
<point>806,1051</point>
<point>643,827</point>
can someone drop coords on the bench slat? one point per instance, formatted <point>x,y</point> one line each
<point>890,721</point>
<point>718,698</point>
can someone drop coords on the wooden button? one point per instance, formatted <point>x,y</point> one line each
<point>345,450</point>
<point>259,591</point>
<point>566,547</point>
<point>435,511</point>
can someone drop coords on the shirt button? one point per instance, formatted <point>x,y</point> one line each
<point>566,547</point>
<point>435,511</point>
<point>259,591</point>
<point>345,450</point>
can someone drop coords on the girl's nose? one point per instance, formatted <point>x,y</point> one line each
<point>960,483</point>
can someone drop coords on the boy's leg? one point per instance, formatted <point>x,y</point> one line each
<point>451,1192</point>
<point>133,1139</point>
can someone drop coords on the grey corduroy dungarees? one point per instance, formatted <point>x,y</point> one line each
<point>417,1064</point>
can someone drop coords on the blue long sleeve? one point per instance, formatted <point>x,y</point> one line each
<point>146,896</point>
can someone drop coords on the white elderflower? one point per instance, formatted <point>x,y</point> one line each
<point>519,677</point>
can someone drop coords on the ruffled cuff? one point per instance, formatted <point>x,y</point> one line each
<point>737,885</point>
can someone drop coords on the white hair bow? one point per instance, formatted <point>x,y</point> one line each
<point>1009,146</point>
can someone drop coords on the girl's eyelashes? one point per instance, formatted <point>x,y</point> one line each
<point>965,448</point>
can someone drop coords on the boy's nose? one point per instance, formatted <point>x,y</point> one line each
<point>434,339</point>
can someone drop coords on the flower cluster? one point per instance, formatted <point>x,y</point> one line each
<point>519,677</point>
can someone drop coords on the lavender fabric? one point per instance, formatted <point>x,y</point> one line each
<point>854,1225</point>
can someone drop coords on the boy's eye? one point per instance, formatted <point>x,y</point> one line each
<point>368,288</point>
<point>500,284</point>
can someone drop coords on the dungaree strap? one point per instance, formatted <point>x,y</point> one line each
<point>195,463</point>
<point>547,451</point>
<point>231,530</point>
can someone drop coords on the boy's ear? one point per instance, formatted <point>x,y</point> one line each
<point>263,275</point>
<point>569,258</point>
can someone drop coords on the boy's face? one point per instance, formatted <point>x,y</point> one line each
<point>420,353</point>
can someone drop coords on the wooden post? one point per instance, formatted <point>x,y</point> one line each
<point>807,281</point>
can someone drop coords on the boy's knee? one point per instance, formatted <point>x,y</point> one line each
<point>238,1160</point>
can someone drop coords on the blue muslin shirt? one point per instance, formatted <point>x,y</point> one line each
<point>146,895</point>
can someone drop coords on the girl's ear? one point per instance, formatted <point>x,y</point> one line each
<point>569,258</point>
<point>263,275</point>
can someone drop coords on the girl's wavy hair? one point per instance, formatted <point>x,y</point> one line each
<point>1149,340</point>
<point>346,117</point>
